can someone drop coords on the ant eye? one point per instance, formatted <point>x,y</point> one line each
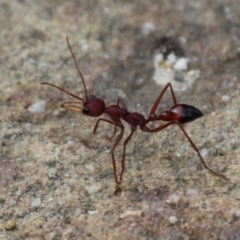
<point>91,96</point>
<point>85,110</point>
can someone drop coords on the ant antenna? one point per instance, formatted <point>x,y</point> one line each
<point>79,72</point>
<point>63,90</point>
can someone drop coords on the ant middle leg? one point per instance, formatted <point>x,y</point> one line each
<point>118,139</point>
<point>124,152</point>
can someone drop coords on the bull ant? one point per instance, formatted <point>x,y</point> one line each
<point>94,107</point>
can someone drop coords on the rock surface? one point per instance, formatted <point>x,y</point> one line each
<point>55,186</point>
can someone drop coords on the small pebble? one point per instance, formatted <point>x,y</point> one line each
<point>93,212</point>
<point>131,213</point>
<point>37,107</point>
<point>147,28</point>
<point>12,202</point>
<point>172,219</point>
<point>36,202</point>
<point>204,152</point>
<point>52,172</point>
<point>10,225</point>
<point>226,98</point>
<point>90,167</point>
<point>94,189</point>
<point>237,213</point>
<point>173,199</point>
<point>192,192</point>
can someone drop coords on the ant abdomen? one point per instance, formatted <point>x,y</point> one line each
<point>181,113</point>
<point>185,113</point>
<point>189,113</point>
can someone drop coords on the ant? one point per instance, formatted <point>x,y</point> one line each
<point>94,107</point>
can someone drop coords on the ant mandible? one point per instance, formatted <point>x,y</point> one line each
<point>94,107</point>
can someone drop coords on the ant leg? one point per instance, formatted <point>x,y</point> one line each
<point>158,129</point>
<point>97,123</point>
<point>96,127</point>
<point>114,133</point>
<point>119,102</point>
<point>124,149</point>
<point>118,139</point>
<point>156,103</point>
<point>195,148</point>
<point>108,121</point>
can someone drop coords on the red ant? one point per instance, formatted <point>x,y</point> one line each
<point>94,107</point>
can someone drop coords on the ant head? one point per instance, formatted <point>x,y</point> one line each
<point>93,107</point>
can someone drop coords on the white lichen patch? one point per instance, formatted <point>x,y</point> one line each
<point>175,70</point>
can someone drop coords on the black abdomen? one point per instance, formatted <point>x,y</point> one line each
<point>189,113</point>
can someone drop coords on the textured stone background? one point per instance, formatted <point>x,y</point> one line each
<point>53,185</point>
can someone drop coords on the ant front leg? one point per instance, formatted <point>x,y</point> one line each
<point>96,127</point>
<point>108,121</point>
<point>118,139</point>
<point>97,123</point>
<point>114,133</point>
